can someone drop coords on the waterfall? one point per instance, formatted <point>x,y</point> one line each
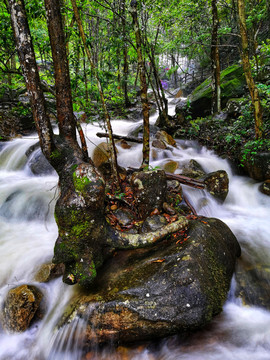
<point>28,233</point>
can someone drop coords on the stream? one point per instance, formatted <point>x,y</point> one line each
<point>28,233</point>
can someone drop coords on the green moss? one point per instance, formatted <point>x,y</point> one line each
<point>80,229</point>
<point>55,154</point>
<point>80,182</point>
<point>231,79</point>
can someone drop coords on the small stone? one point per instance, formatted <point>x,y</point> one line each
<point>49,272</point>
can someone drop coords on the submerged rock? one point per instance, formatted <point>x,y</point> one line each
<point>176,286</point>
<point>20,307</point>
<point>252,283</point>
<point>37,162</point>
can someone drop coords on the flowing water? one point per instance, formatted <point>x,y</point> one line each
<point>28,233</point>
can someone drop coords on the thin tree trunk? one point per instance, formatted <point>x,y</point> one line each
<point>143,84</point>
<point>67,125</point>
<point>125,54</point>
<point>106,113</point>
<point>254,93</point>
<point>216,96</point>
<point>31,75</point>
<point>85,77</point>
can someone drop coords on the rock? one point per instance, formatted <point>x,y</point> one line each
<point>138,130</point>
<point>12,123</point>
<point>217,183</point>
<point>182,111</point>
<point>123,216</point>
<point>265,187</point>
<point>252,283</point>
<point>258,166</point>
<point>166,138</point>
<point>20,307</point>
<point>159,144</point>
<point>101,154</point>
<point>36,208</point>
<point>176,286</point>
<point>233,107</point>
<point>149,190</point>
<point>153,223</point>
<point>38,164</point>
<point>170,166</point>
<point>48,272</point>
<point>199,102</point>
<point>124,145</point>
<point>193,170</point>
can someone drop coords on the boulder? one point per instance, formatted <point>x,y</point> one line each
<point>258,166</point>
<point>193,170</point>
<point>21,307</point>
<point>149,190</point>
<point>159,144</point>
<point>166,138</point>
<point>217,183</point>
<point>252,283</point>
<point>175,287</point>
<point>101,154</point>
<point>38,164</point>
<point>170,166</point>
<point>199,102</point>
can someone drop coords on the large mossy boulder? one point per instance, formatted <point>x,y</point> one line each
<point>199,102</point>
<point>174,287</point>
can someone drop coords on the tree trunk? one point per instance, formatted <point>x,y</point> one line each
<point>31,75</point>
<point>84,237</point>
<point>254,93</point>
<point>106,113</point>
<point>79,210</point>
<point>143,84</point>
<point>125,54</point>
<point>216,96</point>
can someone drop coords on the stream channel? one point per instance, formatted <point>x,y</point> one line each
<point>28,233</point>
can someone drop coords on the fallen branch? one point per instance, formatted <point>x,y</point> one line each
<point>189,205</point>
<point>121,137</point>
<point>133,241</point>
<point>198,184</point>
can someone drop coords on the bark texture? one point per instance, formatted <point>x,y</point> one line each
<point>30,72</point>
<point>143,83</point>
<point>216,97</point>
<point>254,92</point>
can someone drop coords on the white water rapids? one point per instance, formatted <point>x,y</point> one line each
<point>28,233</point>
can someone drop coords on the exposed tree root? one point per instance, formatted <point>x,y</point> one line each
<point>133,241</point>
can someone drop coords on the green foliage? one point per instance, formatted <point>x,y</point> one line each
<point>252,147</point>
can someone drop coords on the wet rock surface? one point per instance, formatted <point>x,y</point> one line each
<point>176,286</point>
<point>252,283</point>
<point>149,189</point>
<point>48,272</point>
<point>21,307</point>
<point>217,183</point>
